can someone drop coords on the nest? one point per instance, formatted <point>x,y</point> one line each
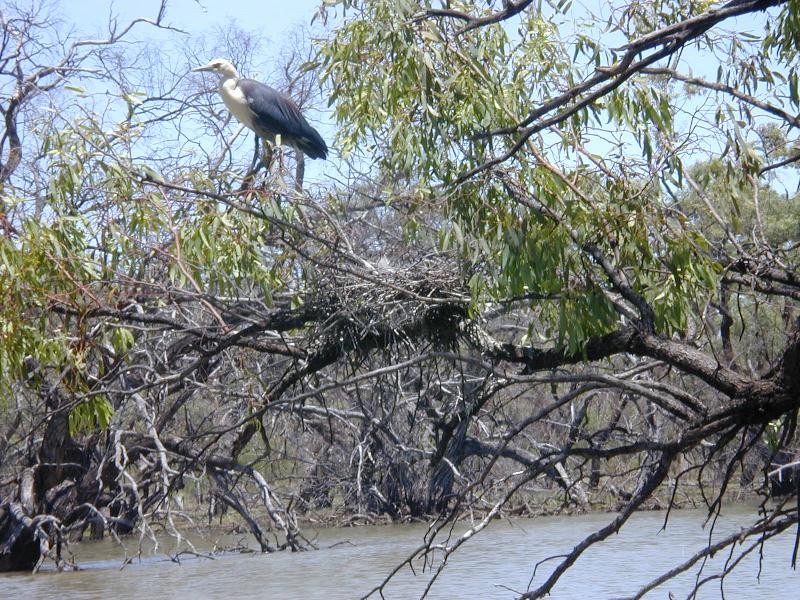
<point>382,303</point>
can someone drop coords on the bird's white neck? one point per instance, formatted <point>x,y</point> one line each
<point>224,77</point>
<point>235,100</point>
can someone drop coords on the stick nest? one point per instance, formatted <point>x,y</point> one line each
<point>421,300</point>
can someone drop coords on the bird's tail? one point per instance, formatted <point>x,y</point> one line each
<point>312,145</point>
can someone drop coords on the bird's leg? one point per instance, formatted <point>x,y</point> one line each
<point>253,170</point>
<point>268,155</point>
<point>277,148</point>
<point>256,156</point>
<point>299,171</point>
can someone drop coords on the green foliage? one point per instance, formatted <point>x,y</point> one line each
<point>783,36</point>
<point>421,96</point>
<point>731,193</point>
<point>122,340</point>
<point>409,88</point>
<point>105,224</point>
<point>90,415</point>
<point>38,270</point>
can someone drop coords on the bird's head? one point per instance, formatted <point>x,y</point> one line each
<point>221,67</point>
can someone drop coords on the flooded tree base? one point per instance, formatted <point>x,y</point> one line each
<point>24,541</point>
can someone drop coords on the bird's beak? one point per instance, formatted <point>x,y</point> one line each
<point>203,68</point>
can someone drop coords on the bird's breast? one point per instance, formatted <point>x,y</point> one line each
<point>236,102</point>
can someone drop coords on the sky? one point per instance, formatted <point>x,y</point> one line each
<point>274,18</point>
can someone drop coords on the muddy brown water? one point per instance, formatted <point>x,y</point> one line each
<point>351,561</point>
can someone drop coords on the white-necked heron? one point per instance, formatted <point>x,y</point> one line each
<point>265,110</point>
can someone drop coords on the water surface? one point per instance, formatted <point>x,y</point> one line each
<point>351,561</point>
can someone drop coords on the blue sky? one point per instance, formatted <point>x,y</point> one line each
<point>273,17</point>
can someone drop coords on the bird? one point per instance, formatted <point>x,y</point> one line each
<point>265,110</point>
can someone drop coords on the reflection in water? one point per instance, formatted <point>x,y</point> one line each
<point>486,567</point>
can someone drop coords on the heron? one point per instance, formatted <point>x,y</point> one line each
<point>265,110</point>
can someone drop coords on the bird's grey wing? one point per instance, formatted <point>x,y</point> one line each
<point>273,113</point>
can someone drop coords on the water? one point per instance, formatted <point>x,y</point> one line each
<point>351,561</point>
